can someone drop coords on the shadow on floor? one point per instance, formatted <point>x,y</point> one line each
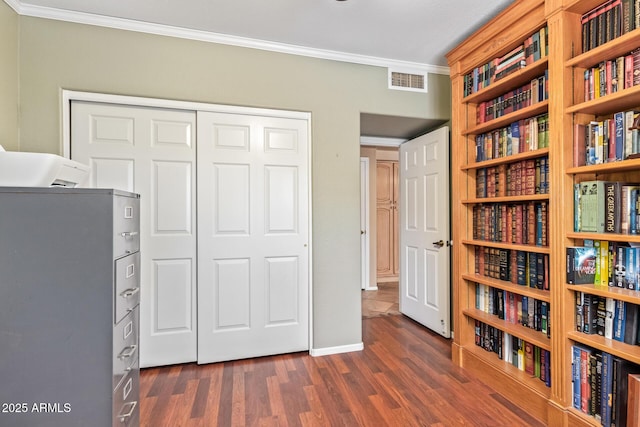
<point>382,302</point>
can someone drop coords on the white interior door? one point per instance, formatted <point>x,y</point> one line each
<point>253,243</point>
<point>152,152</point>
<point>424,231</point>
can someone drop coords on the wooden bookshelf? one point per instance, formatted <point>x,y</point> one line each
<point>576,110</point>
<point>494,40</point>
<point>566,63</point>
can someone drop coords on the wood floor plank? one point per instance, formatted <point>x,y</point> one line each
<point>403,377</point>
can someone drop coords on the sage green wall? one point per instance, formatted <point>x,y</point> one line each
<point>57,55</point>
<point>9,21</point>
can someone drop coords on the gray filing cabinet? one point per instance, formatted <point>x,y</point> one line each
<point>69,294</point>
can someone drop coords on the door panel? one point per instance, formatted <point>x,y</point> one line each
<point>424,223</point>
<point>253,245</point>
<point>151,151</point>
<point>387,219</point>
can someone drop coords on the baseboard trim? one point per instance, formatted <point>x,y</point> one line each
<point>326,351</point>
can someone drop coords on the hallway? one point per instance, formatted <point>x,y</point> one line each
<point>382,302</point>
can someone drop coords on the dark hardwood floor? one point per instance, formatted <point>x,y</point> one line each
<point>403,377</point>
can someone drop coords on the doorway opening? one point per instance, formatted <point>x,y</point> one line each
<point>381,137</point>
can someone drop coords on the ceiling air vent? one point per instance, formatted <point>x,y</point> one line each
<point>412,81</point>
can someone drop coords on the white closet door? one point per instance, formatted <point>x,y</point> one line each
<point>253,222</point>
<point>152,152</point>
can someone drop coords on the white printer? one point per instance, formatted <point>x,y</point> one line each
<point>20,169</point>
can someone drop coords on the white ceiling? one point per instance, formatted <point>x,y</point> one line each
<point>414,32</point>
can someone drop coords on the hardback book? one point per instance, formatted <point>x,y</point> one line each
<point>594,403</point>
<point>606,396</point>
<point>620,261</point>
<point>579,145</point>
<point>622,369</point>
<point>608,322</point>
<point>627,201</point>
<point>612,208</point>
<point>601,316</point>
<point>591,201</point>
<point>579,296</point>
<point>581,265</point>
<point>619,321</point>
<point>575,378</point>
<point>631,268</point>
<point>589,310</point>
<point>631,316</point>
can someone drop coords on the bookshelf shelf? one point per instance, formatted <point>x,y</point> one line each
<point>530,111</point>
<point>516,79</point>
<point>612,49</point>
<point>529,335</point>
<point>621,166</point>
<point>509,199</point>
<point>500,245</point>
<point>538,294</point>
<point>616,348</point>
<point>507,159</point>
<point>604,236</point>
<point>619,101</point>
<point>615,293</point>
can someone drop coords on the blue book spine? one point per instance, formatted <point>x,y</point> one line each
<point>607,389</point>
<point>619,135</point>
<point>619,321</point>
<point>631,272</point>
<point>576,377</point>
<point>633,220</point>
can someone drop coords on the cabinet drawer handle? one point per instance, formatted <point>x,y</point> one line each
<point>128,293</point>
<point>129,413</point>
<point>127,352</point>
<point>127,234</point>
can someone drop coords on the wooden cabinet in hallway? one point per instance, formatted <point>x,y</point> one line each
<point>387,219</point>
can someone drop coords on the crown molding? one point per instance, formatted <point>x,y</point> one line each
<point>210,37</point>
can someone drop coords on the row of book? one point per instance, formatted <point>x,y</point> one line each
<point>608,21</point>
<point>607,317</point>
<point>606,207</point>
<point>605,264</point>
<point>521,178</point>
<point>608,140</point>
<point>600,385</point>
<point>612,76</point>
<point>533,92</point>
<point>524,355</point>
<point>519,223</point>
<point>514,308</point>
<point>522,268</point>
<point>519,137</point>
<point>535,47</point>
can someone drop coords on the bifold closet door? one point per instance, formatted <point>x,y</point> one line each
<point>151,151</point>
<point>253,236</point>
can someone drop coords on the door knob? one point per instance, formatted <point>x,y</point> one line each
<point>439,243</point>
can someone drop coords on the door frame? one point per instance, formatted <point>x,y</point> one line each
<point>66,96</point>
<point>365,234</point>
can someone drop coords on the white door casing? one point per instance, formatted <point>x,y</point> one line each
<point>425,231</point>
<point>365,256</point>
<point>151,151</point>
<point>253,244</point>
